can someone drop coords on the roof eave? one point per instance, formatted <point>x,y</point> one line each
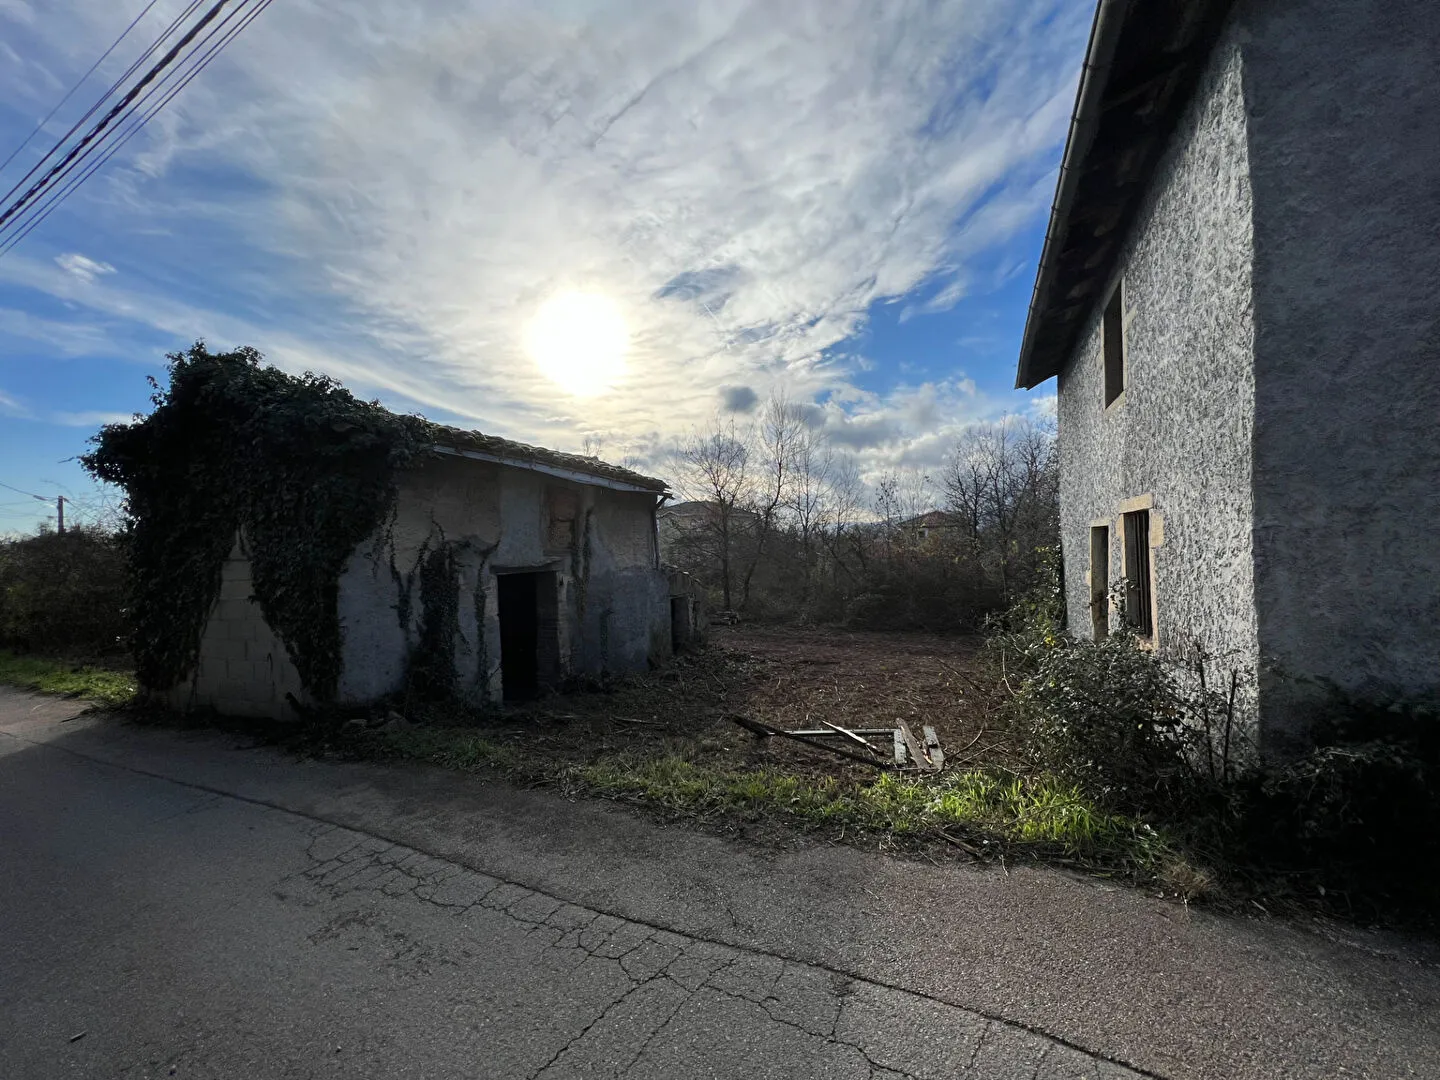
<point>1104,35</point>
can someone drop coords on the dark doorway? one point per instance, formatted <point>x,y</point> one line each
<point>529,629</point>
<point>679,623</point>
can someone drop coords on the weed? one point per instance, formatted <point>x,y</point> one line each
<point>108,686</point>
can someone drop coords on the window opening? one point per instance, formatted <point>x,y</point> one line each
<point>1137,572</point>
<point>1113,343</point>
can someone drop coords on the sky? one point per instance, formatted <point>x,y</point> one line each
<point>566,222</point>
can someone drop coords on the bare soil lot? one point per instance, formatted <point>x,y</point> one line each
<point>788,677</point>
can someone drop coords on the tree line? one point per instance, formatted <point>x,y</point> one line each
<point>778,522</point>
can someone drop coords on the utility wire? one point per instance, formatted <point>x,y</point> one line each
<point>11,487</point>
<point>173,82</point>
<point>115,110</point>
<point>125,75</point>
<point>71,93</point>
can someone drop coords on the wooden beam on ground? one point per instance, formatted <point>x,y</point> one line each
<point>759,727</point>
<point>932,747</point>
<point>912,744</point>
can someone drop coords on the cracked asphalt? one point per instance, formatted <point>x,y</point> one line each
<point>172,905</point>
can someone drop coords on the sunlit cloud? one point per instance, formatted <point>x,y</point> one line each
<point>398,194</point>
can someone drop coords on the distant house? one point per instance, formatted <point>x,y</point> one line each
<point>933,525</point>
<point>1239,297</point>
<point>556,563</point>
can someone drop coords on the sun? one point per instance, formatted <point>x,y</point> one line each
<point>579,341</point>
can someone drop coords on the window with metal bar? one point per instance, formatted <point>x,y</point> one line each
<point>1137,572</point>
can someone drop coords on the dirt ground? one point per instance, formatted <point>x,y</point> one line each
<point>787,677</point>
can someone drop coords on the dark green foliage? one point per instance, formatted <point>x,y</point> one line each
<point>297,465</point>
<point>64,593</point>
<point>432,664</point>
<point>1351,824</point>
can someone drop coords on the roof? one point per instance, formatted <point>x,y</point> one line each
<point>1141,68</point>
<point>933,519</point>
<point>576,467</point>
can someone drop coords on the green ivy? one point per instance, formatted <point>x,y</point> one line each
<point>296,464</point>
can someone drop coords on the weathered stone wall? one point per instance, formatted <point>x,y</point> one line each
<point>1181,432</point>
<point>244,669</point>
<point>1343,97</point>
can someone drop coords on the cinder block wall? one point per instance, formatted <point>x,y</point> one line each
<point>243,669</point>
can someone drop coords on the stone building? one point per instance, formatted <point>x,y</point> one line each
<point>544,565</point>
<point>1239,298</point>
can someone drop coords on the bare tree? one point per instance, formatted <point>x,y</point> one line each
<point>780,429</point>
<point>714,467</point>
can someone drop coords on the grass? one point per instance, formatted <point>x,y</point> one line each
<point>1038,814</point>
<point>105,685</point>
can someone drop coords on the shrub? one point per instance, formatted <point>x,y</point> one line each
<point>63,592</point>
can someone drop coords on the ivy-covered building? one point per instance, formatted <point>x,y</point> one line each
<point>293,546</point>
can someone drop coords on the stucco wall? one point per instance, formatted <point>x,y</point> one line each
<point>613,599</point>
<point>1181,433</point>
<point>1345,158</point>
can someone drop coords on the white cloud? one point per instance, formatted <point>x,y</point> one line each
<point>744,179</point>
<point>11,406</point>
<point>82,267</point>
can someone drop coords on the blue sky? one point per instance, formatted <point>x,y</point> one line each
<point>837,199</point>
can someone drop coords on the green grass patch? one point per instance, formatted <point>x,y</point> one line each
<point>108,686</point>
<point>1039,813</point>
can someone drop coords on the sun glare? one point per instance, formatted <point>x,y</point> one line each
<point>578,339</point>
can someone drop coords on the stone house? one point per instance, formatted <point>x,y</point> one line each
<point>550,570</point>
<point>1238,297</point>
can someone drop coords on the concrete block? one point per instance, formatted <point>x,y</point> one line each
<point>235,570</point>
<point>234,609</point>
<point>235,589</point>
<point>225,649</point>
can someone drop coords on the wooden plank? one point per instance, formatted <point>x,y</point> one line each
<point>816,733</point>
<point>932,747</point>
<point>852,735</point>
<point>912,744</point>
<point>759,727</point>
<point>900,754</point>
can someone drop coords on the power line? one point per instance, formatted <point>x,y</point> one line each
<point>21,491</point>
<point>43,196</point>
<point>71,93</point>
<point>167,88</point>
<point>134,66</point>
<point>116,109</point>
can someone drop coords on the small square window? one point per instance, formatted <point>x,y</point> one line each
<point>1112,333</point>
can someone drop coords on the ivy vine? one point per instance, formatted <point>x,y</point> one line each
<point>296,465</point>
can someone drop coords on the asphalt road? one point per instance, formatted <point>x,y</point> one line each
<point>175,905</point>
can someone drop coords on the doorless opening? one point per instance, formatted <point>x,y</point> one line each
<point>679,622</point>
<point>529,633</point>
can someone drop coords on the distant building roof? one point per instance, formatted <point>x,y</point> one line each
<point>1143,62</point>
<point>933,519</point>
<point>576,467</point>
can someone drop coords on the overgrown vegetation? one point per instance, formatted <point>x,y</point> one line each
<point>973,809</point>
<point>295,464</point>
<point>779,525</point>
<point>105,685</point>
<point>1349,825</point>
<point>64,593</point>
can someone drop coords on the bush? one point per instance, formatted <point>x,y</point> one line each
<point>1353,819</point>
<point>63,593</point>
